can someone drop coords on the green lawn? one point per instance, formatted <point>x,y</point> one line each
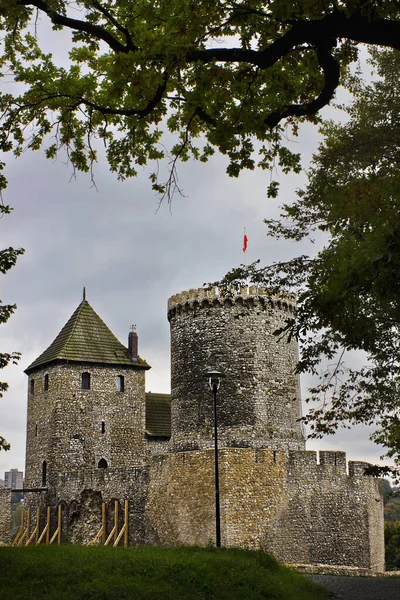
<point>147,572</point>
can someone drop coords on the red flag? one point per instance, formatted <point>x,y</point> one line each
<point>244,242</point>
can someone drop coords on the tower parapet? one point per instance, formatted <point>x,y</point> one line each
<point>259,401</point>
<point>206,296</point>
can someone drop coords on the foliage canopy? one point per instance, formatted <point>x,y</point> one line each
<point>217,75</point>
<point>392,545</point>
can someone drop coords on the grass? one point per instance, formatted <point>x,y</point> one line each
<point>148,573</point>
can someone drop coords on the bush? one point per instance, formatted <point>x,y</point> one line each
<point>392,545</point>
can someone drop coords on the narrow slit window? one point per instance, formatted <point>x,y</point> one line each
<point>32,386</point>
<point>102,464</point>
<point>44,472</point>
<point>120,383</point>
<point>46,383</point>
<point>103,427</point>
<point>36,430</point>
<point>86,381</point>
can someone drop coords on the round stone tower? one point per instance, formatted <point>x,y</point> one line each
<point>259,399</point>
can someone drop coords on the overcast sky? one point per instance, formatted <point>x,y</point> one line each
<point>131,258</point>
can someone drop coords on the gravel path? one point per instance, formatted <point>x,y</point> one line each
<point>360,588</point>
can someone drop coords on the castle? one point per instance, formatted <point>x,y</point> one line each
<point>94,435</point>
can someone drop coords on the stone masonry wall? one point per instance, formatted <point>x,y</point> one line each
<point>258,402</point>
<point>329,517</point>
<point>69,427</point>
<point>5,515</point>
<point>180,502</point>
<point>284,502</point>
<point>157,446</point>
<point>81,495</point>
<point>88,488</point>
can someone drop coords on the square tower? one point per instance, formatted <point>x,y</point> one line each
<point>86,402</point>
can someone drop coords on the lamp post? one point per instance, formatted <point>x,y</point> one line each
<point>214,382</point>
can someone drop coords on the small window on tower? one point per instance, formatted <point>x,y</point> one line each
<point>120,383</point>
<point>102,464</point>
<point>32,386</point>
<point>103,427</point>
<point>86,381</point>
<point>44,473</point>
<point>46,383</point>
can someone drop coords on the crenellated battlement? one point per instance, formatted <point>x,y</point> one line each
<point>300,462</point>
<point>205,297</point>
<point>295,463</point>
<point>317,462</point>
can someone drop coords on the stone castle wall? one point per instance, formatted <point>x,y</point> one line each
<point>70,427</point>
<point>330,517</point>
<point>5,515</point>
<point>81,494</point>
<point>283,502</point>
<point>157,446</point>
<point>274,494</point>
<point>259,400</point>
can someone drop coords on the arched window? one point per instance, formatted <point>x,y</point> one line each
<point>120,383</point>
<point>102,464</point>
<point>32,386</point>
<point>86,381</point>
<point>46,383</point>
<point>44,473</point>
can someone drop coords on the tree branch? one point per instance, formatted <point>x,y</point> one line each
<point>381,32</point>
<point>128,112</point>
<point>129,42</point>
<point>321,34</point>
<point>77,25</point>
<point>201,113</point>
<point>331,70</point>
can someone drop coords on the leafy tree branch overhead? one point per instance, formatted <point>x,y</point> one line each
<point>218,75</point>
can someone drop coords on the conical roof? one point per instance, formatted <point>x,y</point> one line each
<point>85,338</point>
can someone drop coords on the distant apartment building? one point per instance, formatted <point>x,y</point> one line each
<point>14,479</point>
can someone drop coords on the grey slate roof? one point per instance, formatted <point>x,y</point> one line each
<point>158,415</point>
<point>85,338</point>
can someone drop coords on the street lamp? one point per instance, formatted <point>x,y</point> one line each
<point>214,382</point>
